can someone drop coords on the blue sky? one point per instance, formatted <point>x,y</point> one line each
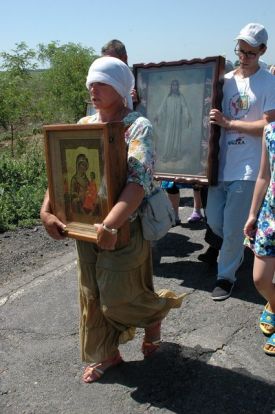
<point>152,30</point>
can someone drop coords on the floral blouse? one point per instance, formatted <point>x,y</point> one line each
<point>270,145</point>
<point>263,243</point>
<point>140,147</point>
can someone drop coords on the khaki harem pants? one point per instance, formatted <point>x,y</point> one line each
<point>117,295</point>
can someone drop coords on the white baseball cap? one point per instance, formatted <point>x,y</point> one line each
<point>253,34</point>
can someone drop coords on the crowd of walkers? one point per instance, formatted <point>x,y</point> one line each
<point>116,285</point>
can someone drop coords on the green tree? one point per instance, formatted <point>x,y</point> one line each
<point>16,95</point>
<point>65,80</point>
<point>22,186</point>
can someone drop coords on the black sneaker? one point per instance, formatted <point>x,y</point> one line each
<point>210,256</point>
<point>222,289</point>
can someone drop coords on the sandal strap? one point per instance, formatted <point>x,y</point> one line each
<point>94,371</point>
<point>268,317</point>
<point>97,371</point>
<point>156,343</point>
<point>148,348</point>
<point>271,340</point>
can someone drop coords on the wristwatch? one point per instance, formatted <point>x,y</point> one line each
<point>112,231</point>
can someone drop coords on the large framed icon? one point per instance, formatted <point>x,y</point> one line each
<point>86,168</point>
<point>177,97</point>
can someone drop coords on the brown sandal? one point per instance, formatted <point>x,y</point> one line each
<point>93,372</point>
<point>150,346</point>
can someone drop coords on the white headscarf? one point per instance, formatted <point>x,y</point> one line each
<point>115,73</point>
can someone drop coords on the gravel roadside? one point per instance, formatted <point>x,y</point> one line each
<point>23,250</point>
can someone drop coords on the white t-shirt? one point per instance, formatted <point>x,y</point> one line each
<point>246,99</point>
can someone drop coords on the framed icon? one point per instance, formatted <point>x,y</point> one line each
<point>86,168</point>
<point>177,97</point>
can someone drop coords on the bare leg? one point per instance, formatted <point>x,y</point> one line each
<point>197,200</point>
<point>263,273</point>
<point>196,214</point>
<point>151,340</point>
<point>175,200</point>
<point>152,333</point>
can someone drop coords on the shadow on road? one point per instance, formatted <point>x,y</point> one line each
<point>175,379</point>
<point>170,260</point>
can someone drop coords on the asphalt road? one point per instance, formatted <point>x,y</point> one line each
<point>211,360</point>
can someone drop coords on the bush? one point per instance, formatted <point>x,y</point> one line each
<point>22,186</point>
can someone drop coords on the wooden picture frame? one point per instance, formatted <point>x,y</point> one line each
<point>86,169</point>
<point>177,97</point>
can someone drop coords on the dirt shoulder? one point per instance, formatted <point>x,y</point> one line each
<point>23,250</point>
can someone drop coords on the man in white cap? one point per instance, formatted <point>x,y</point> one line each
<point>248,105</point>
